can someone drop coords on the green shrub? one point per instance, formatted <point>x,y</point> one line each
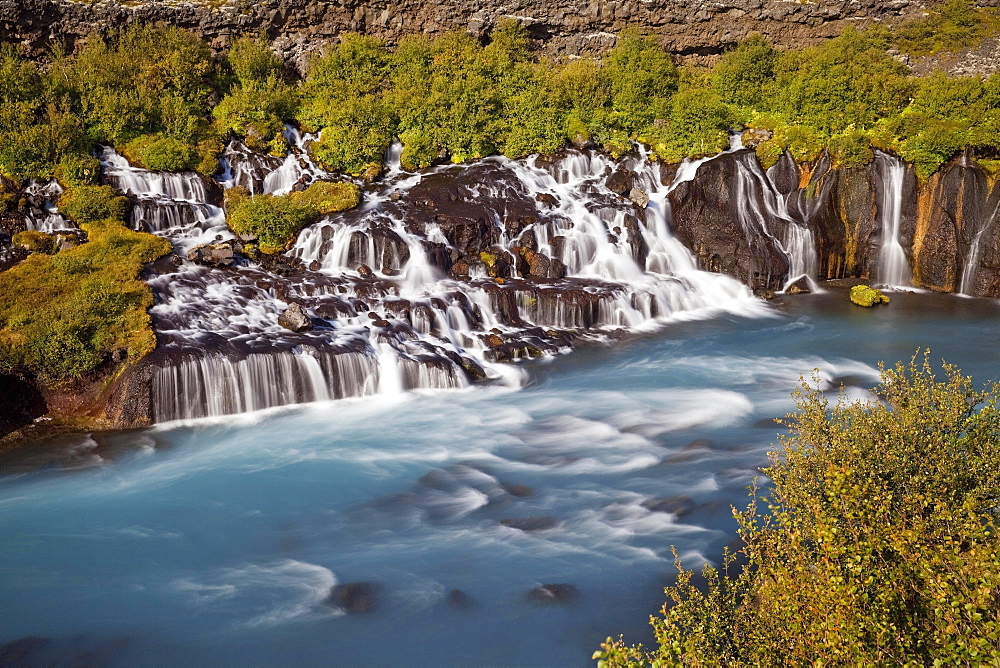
<point>952,25</point>
<point>161,153</point>
<point>64,315</point>
<point>880,545</point>
<point>274,221</point>
<point>86,204</point>
<point>745,75</point>
<point>78,170</point>
<point>35,242</point>
<point>326,197</point>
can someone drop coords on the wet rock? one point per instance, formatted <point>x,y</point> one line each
<point>547,199</point>
<point>675,505</point>
<point>531,524</point>
<point>365,271</point>
<point>492,341</point>
<point>295,319</point>
<point>554,594</point>
<point>354,598</point>
<point>799,287</point>
<point>221,254</point>
<point>620,181</point>
<point>707,219</point>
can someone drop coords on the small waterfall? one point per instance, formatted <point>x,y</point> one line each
<point>971,268</point>
<point>44,216</point>
<point>213,385</point>
<point>183,186</point>
<point>764,213</point>
<point>893,269</point>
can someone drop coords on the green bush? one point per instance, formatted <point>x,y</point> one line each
<point>161,153</point>
<point>86,204</point>
<point>35,242</point>
<point>880,545</point>
<point>77,170</point>
<point>64,315</point>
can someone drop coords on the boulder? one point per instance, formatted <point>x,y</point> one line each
<point>678,506</point>
<point>295,319</point>
<point>799,287</point>
<point>639,197</point>
<point>220,254</point>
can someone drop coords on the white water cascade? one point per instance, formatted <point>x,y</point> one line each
<point>412,323</point>
<point>970,270</point>
<point>893,268</point>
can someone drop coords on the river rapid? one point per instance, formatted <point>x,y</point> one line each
<point>217,541</point>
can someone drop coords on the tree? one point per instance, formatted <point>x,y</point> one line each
<point>880,543</point>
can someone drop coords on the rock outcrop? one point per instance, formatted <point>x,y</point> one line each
<point>298,27</point>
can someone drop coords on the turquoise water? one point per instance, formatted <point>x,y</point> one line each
<point>217,543</point>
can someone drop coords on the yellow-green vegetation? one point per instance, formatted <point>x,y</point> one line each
<point>64,315</point>
<point>160,96</point>
<point>275,220</point>
<point>879,546</point>
<point>34,241</point>
<point>328,197</point>
<point>862,295</point>
<point>86,204</point>
<point>258,99</point>
<point>952,25</point>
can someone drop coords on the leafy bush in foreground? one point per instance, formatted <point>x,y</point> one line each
<point>880,546</point>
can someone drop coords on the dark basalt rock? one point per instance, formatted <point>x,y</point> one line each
<point>620,181</point>
<point>519,491</point>
<point>554,594</point>
<point>20,404</point>
<point>354,598</point>
<point>799,287</point>
<point>707,220</point>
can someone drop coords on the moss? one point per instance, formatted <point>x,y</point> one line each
<point>161,153</point>
<point>274,221</point>
<point>862,295</point>
<point>86,204</point>
<point>64,315</point>
<point>489,259</point>
<point>327,197</point>
<point>35,242</point>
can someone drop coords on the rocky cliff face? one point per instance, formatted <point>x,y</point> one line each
<point>560,27</point>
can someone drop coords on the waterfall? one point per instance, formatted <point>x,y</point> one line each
<point>971,268</point>
<point>411,323</point>
<point>893,269</point>
<point>212,385</point>
<point>763,212</point>
<point>43,215</point>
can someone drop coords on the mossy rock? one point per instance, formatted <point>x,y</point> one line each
<point>862,295</point>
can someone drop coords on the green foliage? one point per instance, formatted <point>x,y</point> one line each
<point>698,125</point>
<point>35,242</point>
<point>86,204</point>
<point>161,153</point>
<point>258,101</point>
<point>953,25</point>
<point>745,76</point>
<point>77,170</point>
<point>862,295</point>
<point>880,545</point>
<point>144,81</point>
<point>274,221</point>
<point>326,197</point>
<point>63,315</point>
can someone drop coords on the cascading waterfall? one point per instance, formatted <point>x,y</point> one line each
<point>412,324</point>
<point>761,208</point>
<point>893,268</point>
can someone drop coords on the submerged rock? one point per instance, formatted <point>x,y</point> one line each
<point>675,505</point>
<point>531,524</point>
<point>354,598</point>
<point>554,594</point>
